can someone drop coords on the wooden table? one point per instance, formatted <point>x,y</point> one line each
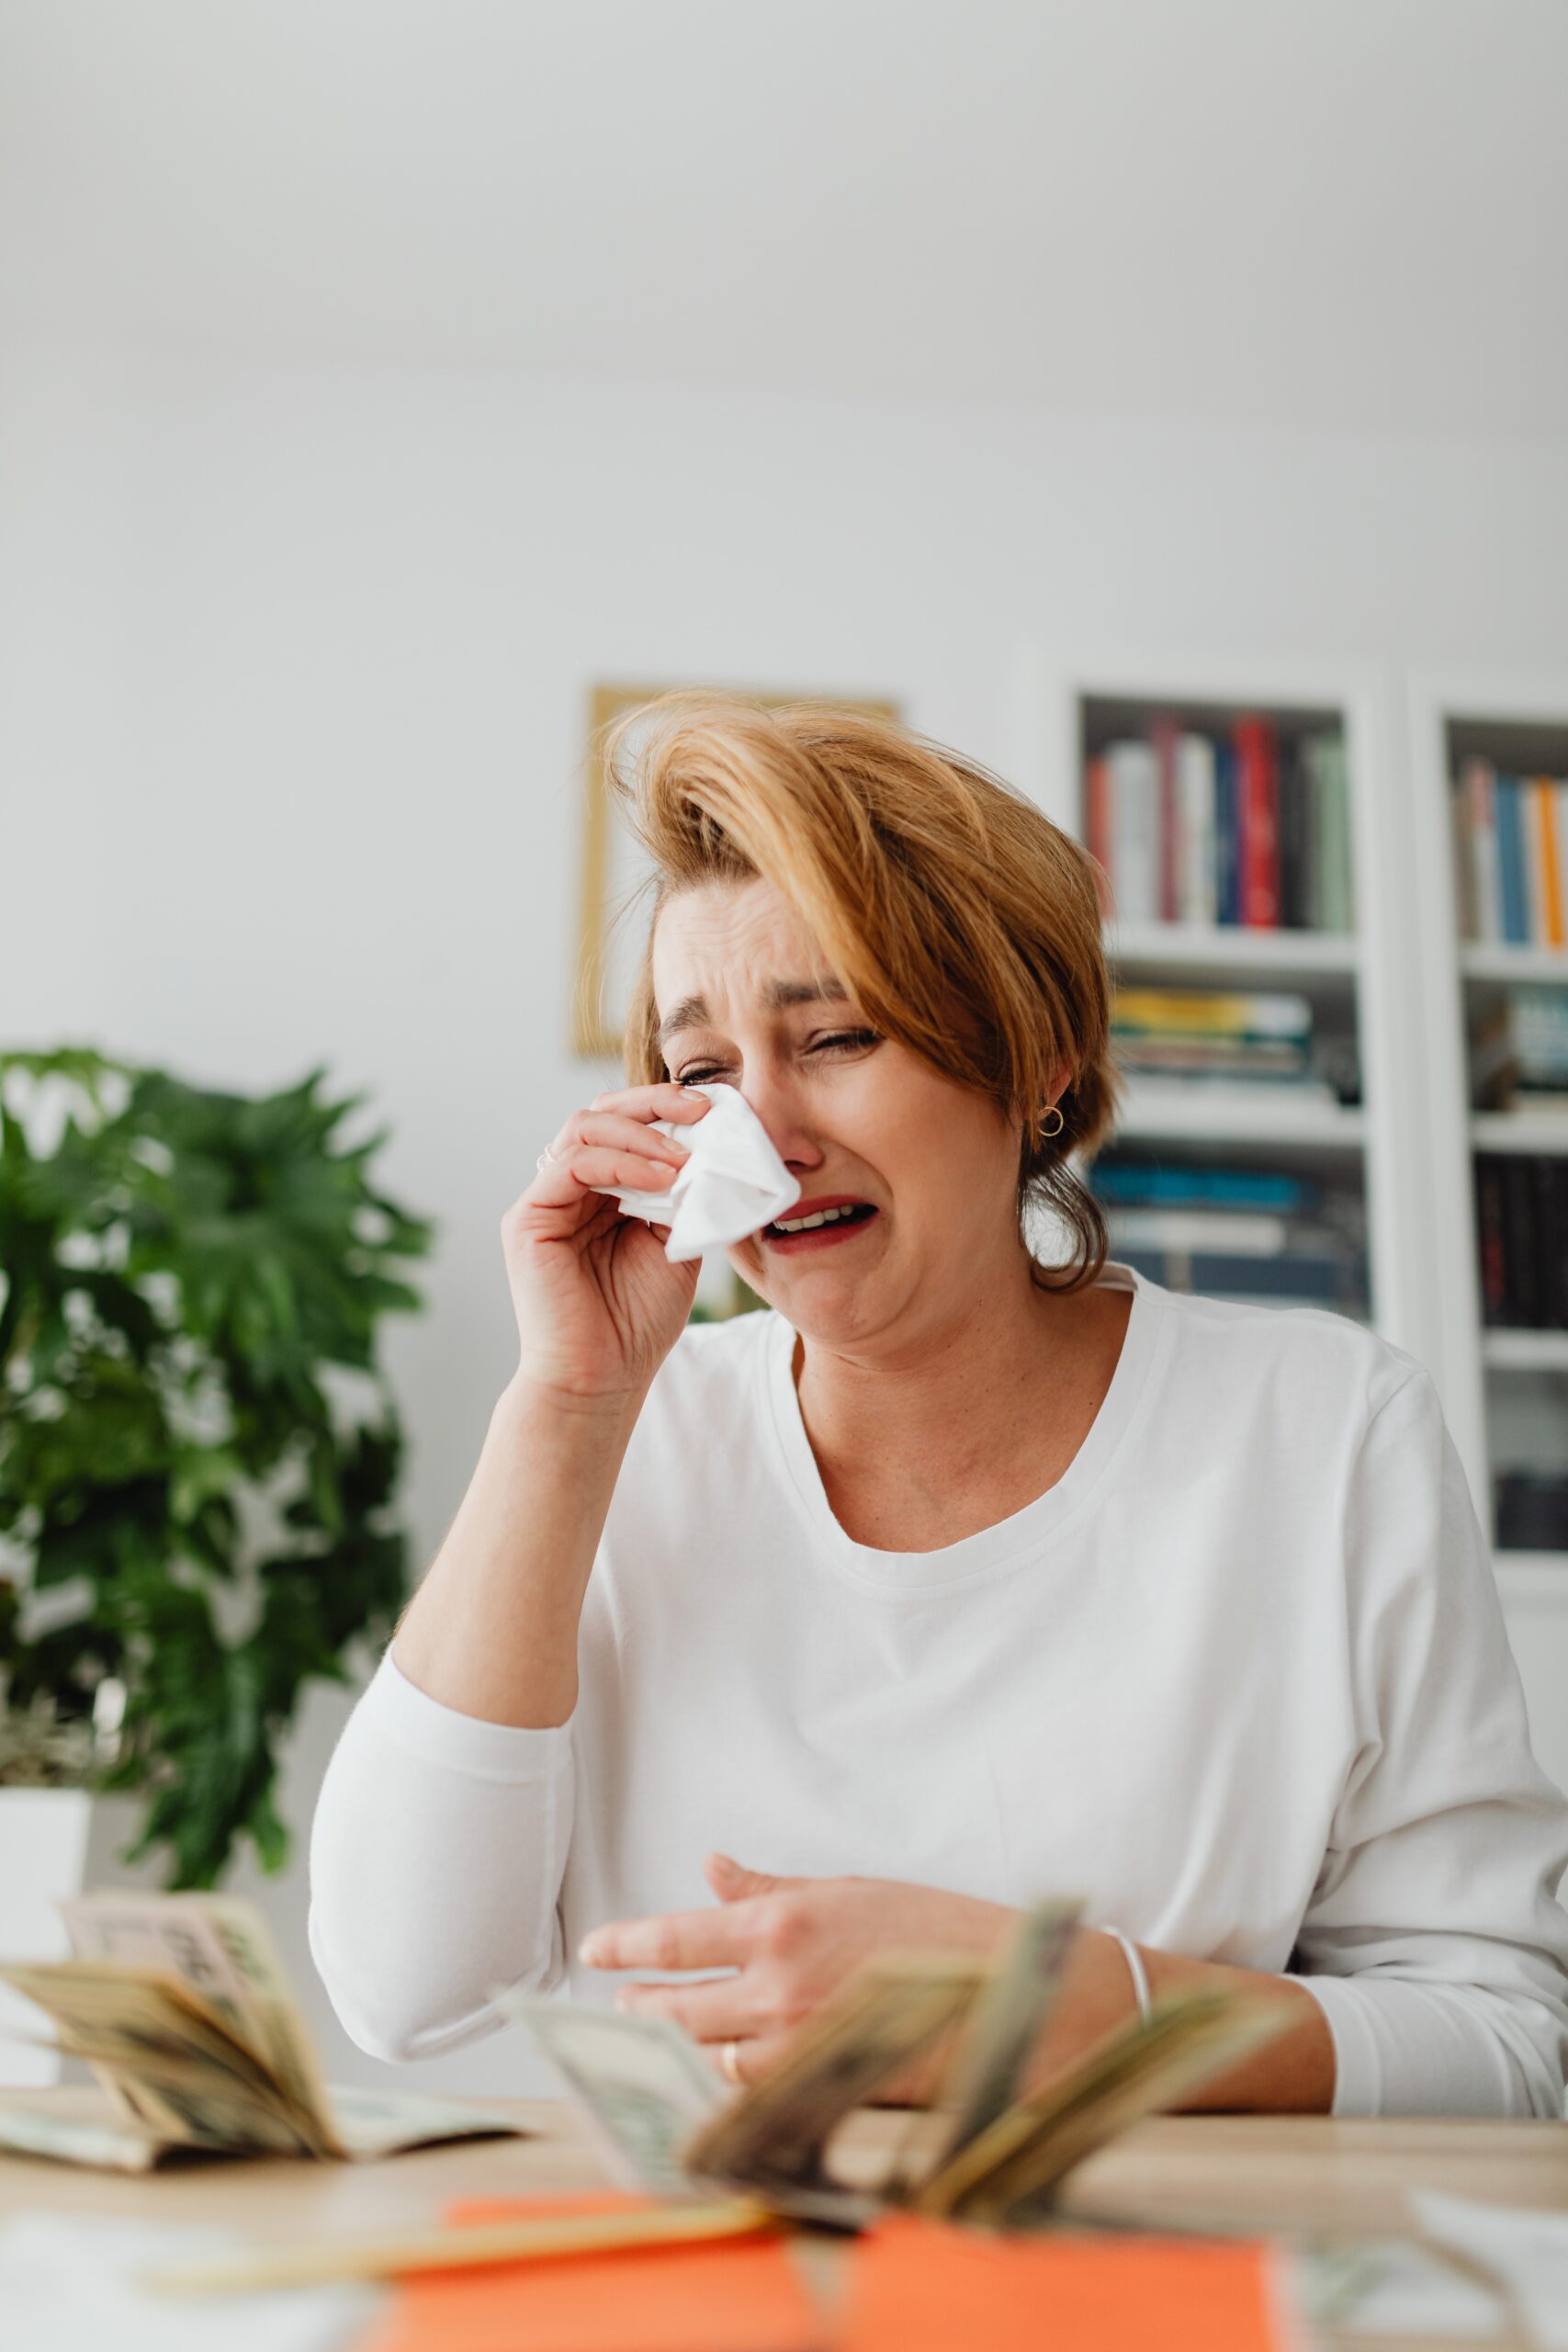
<point>1242,2174</point>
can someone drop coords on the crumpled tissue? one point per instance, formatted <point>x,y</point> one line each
<point>732,1185</point>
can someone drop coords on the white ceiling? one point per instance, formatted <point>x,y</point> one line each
<point>1330,213</point>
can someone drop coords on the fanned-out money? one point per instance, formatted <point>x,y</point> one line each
<point>640,2086</point>
<point>775,2137</point>
<point>1000,2151</point>
<point>1010,2172</point>
<point>180,2004</point>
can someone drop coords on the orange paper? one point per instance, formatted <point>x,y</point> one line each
<point>918,2285</point>
<point>742,2295</point>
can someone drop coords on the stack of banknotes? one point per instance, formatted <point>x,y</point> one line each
<point>996,2148</point>
<point>182,2008</point>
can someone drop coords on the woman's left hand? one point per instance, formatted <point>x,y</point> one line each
<point>792,1940</point>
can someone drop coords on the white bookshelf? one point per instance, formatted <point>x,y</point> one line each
<point>1506,1391</point>
<point>1353,979</point>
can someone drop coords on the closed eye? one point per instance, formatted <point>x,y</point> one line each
<point>847,1041</point>
<point>844,1041</point>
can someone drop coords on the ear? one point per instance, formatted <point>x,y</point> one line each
<point>731,1883</point>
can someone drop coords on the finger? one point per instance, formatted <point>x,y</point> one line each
<point>673,1940</point>
<point>598,1167</point>
<point>666,1100</point>
<point>614,1130</point>
<point>732,1883</point>
<point>724,2009</point>
<point>757,2055</point>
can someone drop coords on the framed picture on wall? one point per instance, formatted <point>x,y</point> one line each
<point>615,868</point>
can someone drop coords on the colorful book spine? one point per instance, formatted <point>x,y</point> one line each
<point>1195,793</point>
<point>1165,735</point>
<point>1467,916</point>
<point>1511,862</point>
<point>1134,839</point>
<point>1213,1013</point>
<point>1547,895</point>
<point>1097,830</point>
<point>1295,839</point>
<point>1511,857</point>
<point>1258,799</point>
<point>1522,1216</point>
<point>1478,783</point>
<point>1331,809</point>
<point>1239,829</point>
<point>1227,840</point>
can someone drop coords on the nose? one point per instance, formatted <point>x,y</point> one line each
<point>777,1104</point>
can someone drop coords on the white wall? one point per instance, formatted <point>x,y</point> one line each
<point>294,676</point>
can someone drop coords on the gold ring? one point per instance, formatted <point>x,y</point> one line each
<point>729,2065</point>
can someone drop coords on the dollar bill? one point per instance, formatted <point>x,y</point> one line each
<point>181,2005</point>
<point>378,2123</point>
<point>175,2065</point>
<point>1008,2173</point>
<point>219,1949</point>
<point>1005,2022</point>
<point>773,2140</point>
<point>639,2084</point>
<point>29,2131</point>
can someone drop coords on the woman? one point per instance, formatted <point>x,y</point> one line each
<point>952,1579</point>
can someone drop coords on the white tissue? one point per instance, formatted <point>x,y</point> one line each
<point>733,1184</point>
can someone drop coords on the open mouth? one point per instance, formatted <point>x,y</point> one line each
<point>819,1230</point>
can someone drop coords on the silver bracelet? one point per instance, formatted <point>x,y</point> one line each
<point>1139,1974</point>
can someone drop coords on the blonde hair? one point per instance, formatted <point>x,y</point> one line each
<point>965,923</point>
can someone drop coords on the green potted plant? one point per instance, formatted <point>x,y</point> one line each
<point>199,1452</point>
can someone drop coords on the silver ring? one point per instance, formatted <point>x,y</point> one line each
<point>545,1157</point>
<point>729,2065</point>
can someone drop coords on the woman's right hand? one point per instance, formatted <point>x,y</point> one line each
<point>598,1304</point>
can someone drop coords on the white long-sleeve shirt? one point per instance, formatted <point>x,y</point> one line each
<point>1239,1679</point>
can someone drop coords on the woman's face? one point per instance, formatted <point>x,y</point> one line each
<point>746,997</point>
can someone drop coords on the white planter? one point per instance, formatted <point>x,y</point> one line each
<point>54,1842</point>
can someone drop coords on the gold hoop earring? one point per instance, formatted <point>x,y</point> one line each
<point>1052,1112</point>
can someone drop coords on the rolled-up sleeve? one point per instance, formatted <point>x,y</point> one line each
<point>436,1858</point>
<point>1434,1941</point>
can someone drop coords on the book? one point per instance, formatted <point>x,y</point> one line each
<point>1227,837</point>
<point>1480,785</point>
<point>1518,1239</point>
<point>1165,736</point>
<point>1097,830</point>
<point>1241,828</point>
<point>1118,1178</point>
<point>1514,888</point>
<point>1467,912</point>
<point>1489,1215</point>
<point>1195,793</point>
<point>1546,859</point>
<point>1552,1241</point>
<point>1295,839</point>
<point>1242,1233</point>
<point>1134,818</point>
<point>1229,1012</point>
<point>1258,799</point>
<point>1331,809</point>
<point>1294,1278</point>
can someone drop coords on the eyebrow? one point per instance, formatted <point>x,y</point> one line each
<point>776,997</point>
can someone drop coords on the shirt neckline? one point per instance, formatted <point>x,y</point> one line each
<point>1008,1540</point>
